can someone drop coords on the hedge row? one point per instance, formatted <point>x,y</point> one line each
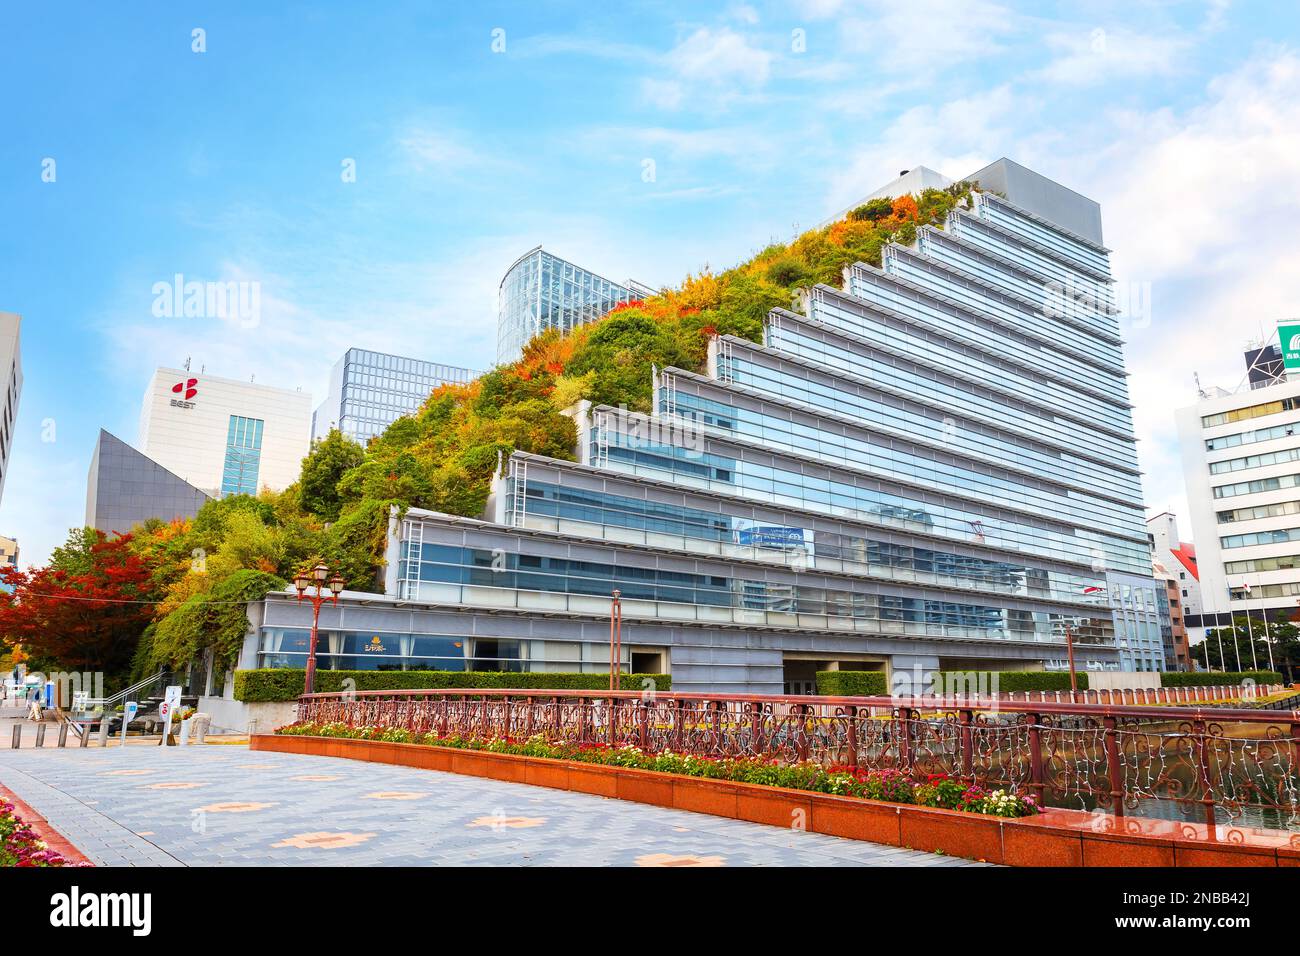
<point>852,683</point>
<point>282,684</point>
<point>965,682</point>
<point>1217,678</point>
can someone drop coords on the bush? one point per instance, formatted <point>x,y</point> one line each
<point>1214,679</point>
<point>886,783</point>
<point>852,683</point>
<point>1007,681</point>
<point>282,683</point>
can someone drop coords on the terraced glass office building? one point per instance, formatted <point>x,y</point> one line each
<point>932,468</point>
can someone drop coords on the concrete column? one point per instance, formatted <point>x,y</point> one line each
<point>911,674</point>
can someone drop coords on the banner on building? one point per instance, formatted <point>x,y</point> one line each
<point>1288,339</point>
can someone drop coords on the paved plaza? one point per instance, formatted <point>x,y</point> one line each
<point>223,805</point>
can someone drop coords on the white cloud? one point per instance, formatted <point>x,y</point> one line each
<point>955,139</point>
<point>1095,55</point>
<point>1201,204</point>
<point>708,69</point>
<point>429,147</point>
<point>927,35</point>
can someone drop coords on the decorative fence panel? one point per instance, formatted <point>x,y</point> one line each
<point>1112,757</point>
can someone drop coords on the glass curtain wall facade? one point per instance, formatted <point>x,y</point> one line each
<point>371,390</point>
<point>243,456</point>
<point>541,291</point>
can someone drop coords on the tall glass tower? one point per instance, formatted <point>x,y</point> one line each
<point>541,291</point>
<point>371,390</point>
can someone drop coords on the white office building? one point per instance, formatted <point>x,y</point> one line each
<point>224,436</point>
<point>1178,558</point>
<point>11,378</point>
<point>1241,463</point>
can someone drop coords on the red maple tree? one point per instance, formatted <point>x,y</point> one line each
<point>86,617</point>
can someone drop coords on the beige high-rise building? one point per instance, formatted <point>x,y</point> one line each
<point>8,551</point>
<point>11,379</point>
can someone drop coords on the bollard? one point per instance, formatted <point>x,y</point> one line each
<point>63,735</point>
<point>18,736</point>
<point>40,735</point>
<point>104,725</point>
<point>85,735</point>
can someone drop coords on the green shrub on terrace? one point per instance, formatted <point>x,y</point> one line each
<point>966,682</point>
<point>1217,678</point>
<point>852,683</point>
<point>284,684</point>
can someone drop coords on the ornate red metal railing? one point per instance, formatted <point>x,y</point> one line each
<point>1094,756</point>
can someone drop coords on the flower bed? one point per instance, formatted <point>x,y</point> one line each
<point>21,846</point>
<point>888,785</point>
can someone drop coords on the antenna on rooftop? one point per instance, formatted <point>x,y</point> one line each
<point>1200,392</point>
<point>187,363</point>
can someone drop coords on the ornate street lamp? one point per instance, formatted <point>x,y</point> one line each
<point>318,580</point>
<point>615,641</point>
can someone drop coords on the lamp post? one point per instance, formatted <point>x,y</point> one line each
<point>1074,676</point>
<point>320,579</point>
<point>615,641</point>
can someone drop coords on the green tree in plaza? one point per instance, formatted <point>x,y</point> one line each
<point>1229,648</point>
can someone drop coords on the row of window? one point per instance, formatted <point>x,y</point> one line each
<point>989,237</point>
<point>362,361</point>
<point>859,452</point>
<point>1041,324</point>
<point>368,650</point>
<point>1250,411</point>
<point>1288,589</point>
<point>996,210</point>
<point>1249,438</point>
<point>831,496</point>
<point>800,547</point>
<point>929,386</point>
<point>1255,487</point>
<point>444,564</point>
<point>1259,511</point>
<point>1067,294</point>
<point>1281,562</point>
<point>986,369</point>
<point>901,460</point>
<point>969,331</point>
<point>1279,536</point>
<point>1255,461</point>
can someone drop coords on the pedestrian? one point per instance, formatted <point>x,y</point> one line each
<point>34,711</point>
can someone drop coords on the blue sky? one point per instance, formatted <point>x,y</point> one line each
<point>756,119</point>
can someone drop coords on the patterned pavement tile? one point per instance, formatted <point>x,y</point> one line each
<point>394,795</point>
<point>665,859</point>
<point>380,815</point>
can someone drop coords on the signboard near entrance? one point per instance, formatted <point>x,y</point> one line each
<point>171,700</point>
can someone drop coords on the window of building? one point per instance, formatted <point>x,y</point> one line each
<point>243,456</point>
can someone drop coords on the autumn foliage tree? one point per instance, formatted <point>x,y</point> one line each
<point>85,610</point>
